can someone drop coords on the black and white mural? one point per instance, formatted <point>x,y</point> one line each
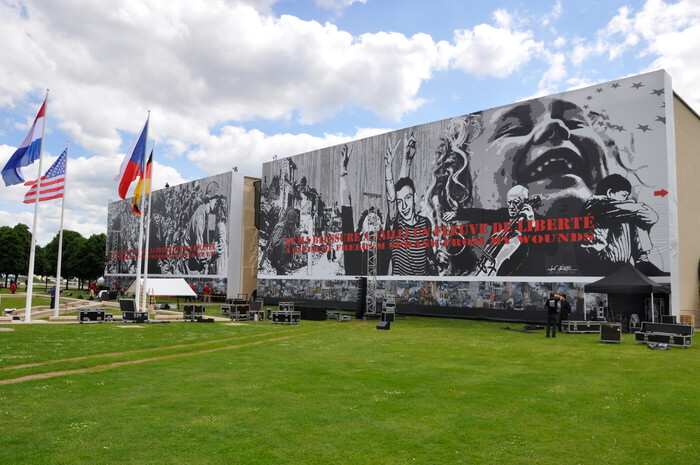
<point>188,234</point>
<point>566,186</point>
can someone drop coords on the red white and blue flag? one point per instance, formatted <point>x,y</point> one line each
<point>27,153</point>
<point>52,183</point>
<point>133,164</point>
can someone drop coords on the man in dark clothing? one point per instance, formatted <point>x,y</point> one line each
<point>552,307</point>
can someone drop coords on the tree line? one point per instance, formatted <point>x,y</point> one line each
<point>82,258</point>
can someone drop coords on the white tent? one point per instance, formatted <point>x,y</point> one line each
<point>165,287</point>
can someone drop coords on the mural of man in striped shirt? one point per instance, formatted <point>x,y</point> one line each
<point>411,253</point>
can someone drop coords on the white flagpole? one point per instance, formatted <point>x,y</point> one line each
<point>140,254</point>
<point>148,233</point>
<point>57,290</point>
<point>32,250</point>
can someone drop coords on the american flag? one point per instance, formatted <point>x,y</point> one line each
<point>52,182</point>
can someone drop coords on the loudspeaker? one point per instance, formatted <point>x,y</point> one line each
<point>386,325</point>
<point>610,332</point>
<point>127,305</point>
<point>361,298</point>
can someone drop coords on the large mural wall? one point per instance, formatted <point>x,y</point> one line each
<point>557,190</point>
<point>188,235</point>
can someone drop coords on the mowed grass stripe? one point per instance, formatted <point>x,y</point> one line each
<point>131,352</point>
<point>98,368</point>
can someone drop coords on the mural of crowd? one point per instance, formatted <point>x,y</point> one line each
<point>188,234</point>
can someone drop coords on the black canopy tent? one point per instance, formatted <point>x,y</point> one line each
<point>627,280</point>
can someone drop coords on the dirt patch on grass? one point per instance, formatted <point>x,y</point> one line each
<point>7,329</point>
<point>108,366</point>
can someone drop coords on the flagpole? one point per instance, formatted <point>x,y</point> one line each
<point>32,250</point>
<point>148,229</point>
<point>57,290</point>
<point>140,254</point>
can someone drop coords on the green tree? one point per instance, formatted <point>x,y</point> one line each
<point>70,265</point>
<point>41,265</point>
<point>90,262</point>
<point>16,244</point>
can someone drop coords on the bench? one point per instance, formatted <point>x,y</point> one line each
<point>672,334</point>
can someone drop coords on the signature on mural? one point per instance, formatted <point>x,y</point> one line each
<point>561,269</point>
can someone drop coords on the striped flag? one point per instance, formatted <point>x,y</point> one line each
<point>52,183</point>
<point>132,165</point>
<point>27,153</point>
<point>139,185</point>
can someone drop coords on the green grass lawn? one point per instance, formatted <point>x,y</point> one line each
<point>429,391</point>
<point>15,301</point>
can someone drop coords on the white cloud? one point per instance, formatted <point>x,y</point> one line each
<point>337,4</point>
<point>555,73</point>
<point>580,52</point>
<point>203,67</point>
<point>553,15</point>
<point>198,65</point>
<point>493,51</point>
<point>668,30</point>
<point>248,150</point>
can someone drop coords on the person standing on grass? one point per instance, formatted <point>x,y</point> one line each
<point>93,289</point>
<point>13,287</point>
<point>207,293</point>
<point>552,307</point>
<point>194,297</point>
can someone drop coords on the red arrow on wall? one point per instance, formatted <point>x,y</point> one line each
<point>661,193</point>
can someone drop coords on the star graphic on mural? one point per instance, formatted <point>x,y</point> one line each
<point>661,119</point>
<point>599,90</point>
<point>589,98</point>
<point>585,107</point>
<point>637,85</point>
<point>663,105</point>
<point>643,127</point>
<point>619,128</point>
<point>615,85</point>
<point>657,91</point>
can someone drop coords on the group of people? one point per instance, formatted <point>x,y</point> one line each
<point>188,231</point>
<point>206,290</point>
<point>558,309</point>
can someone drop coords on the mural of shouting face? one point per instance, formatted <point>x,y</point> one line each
<point>547,145</point>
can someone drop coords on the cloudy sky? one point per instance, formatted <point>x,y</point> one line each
<point>236,82</point>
